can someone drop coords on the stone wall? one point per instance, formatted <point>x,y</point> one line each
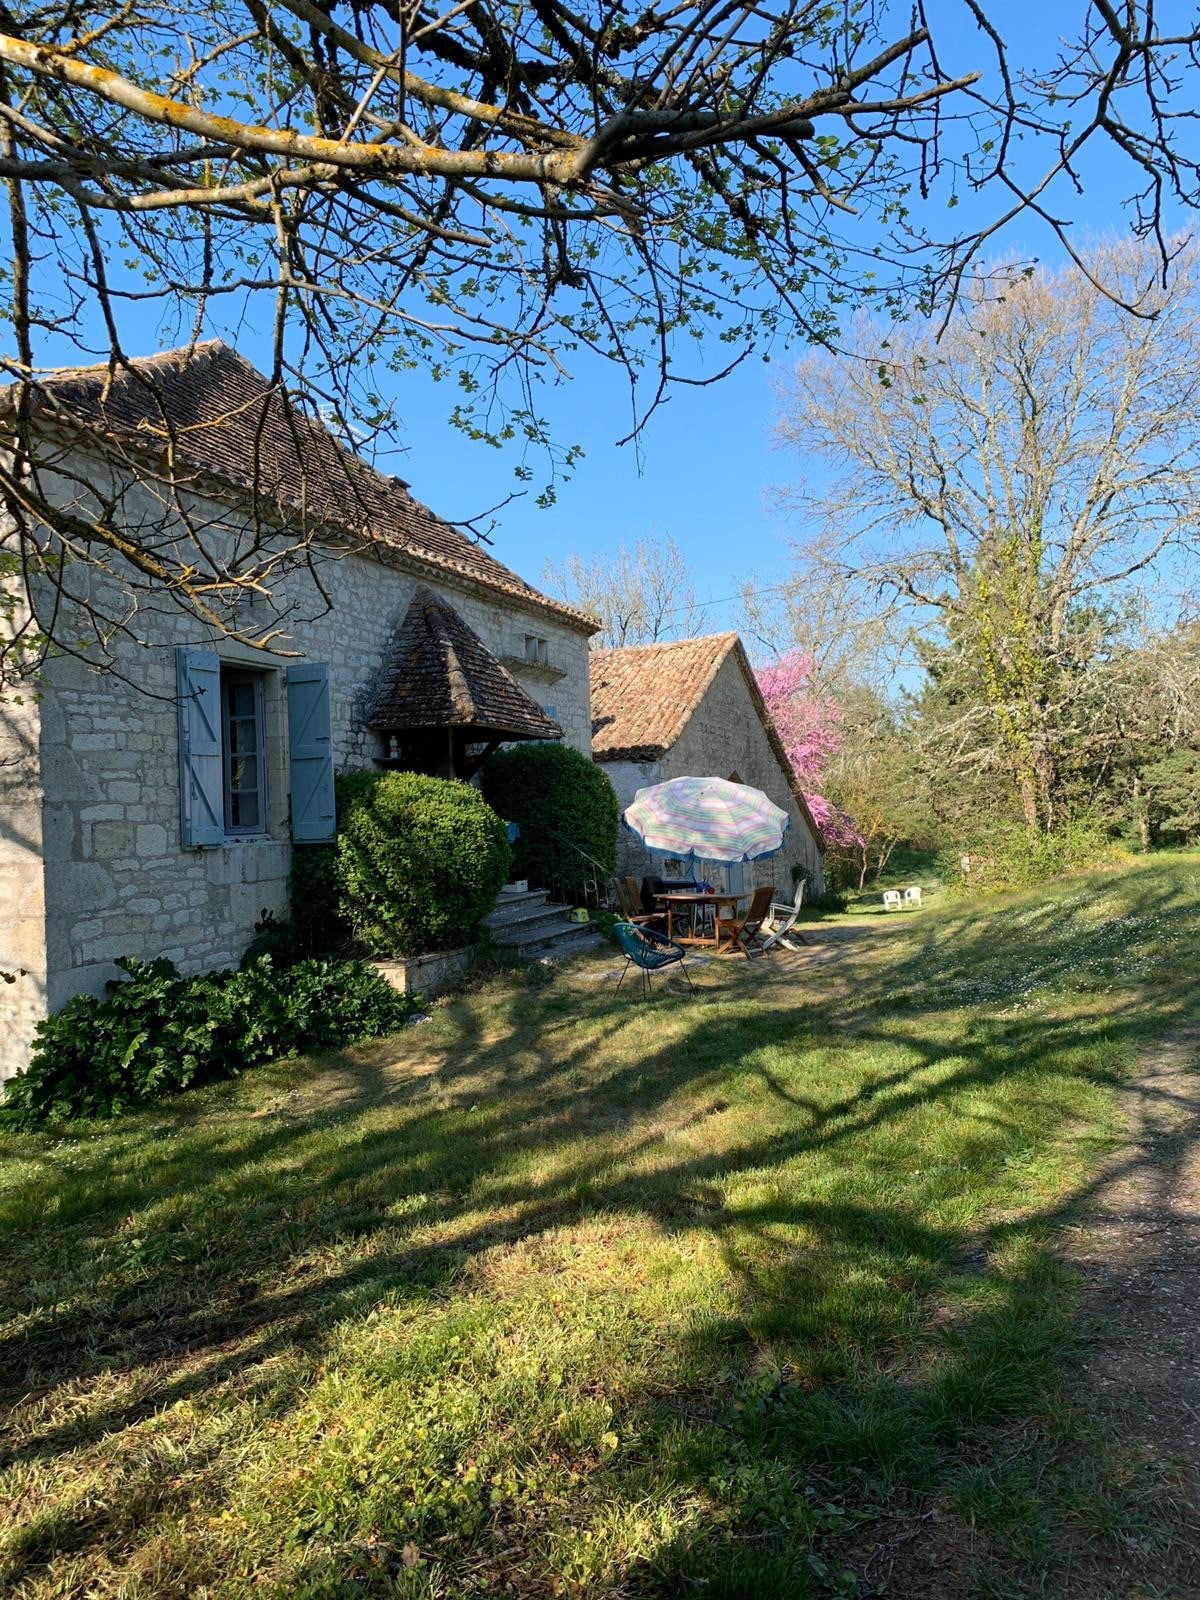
<point>106,811</point>
<point>22,884</point>
<point>627,778</point>
<point>724,735</point>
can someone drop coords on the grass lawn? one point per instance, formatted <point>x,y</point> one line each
<point>561,1293</point>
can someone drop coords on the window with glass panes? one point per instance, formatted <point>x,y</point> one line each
<point>244,744</point>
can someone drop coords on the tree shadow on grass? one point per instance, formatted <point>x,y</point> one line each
<point>291,1236</point>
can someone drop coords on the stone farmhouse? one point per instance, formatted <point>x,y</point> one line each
<point>153,809</point>
<point>693,707</point>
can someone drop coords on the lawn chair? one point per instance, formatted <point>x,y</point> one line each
<point>745,933</point>
<point>891,900</point>
<point>629,907</point>
<point>912,896</point>
<point>780,925</point>
<point>645,915</point>
<point>649,952</point>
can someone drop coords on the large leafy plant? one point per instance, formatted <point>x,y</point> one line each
<point>566,810</point>
<point>156,1032</point>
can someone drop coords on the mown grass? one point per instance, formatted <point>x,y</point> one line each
<point>563,1293</point>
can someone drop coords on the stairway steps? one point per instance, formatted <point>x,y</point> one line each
<point>557,938</point>
<point>538,928</point>
<point>530,929</point>
<point>513,922</point>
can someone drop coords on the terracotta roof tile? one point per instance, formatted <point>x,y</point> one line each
<point>643,695</point>
<point>224,419</point>
<point>441,675</point>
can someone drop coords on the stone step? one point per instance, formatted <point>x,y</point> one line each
<point>520,930</point>
<point>555,938</point>
<point>570,948</point>
<point>516,908</point>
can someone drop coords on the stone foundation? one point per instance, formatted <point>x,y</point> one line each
<point>428,974</point>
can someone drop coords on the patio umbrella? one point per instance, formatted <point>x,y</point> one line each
<point>707,819</point>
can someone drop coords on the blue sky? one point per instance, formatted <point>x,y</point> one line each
<point>705,461</point>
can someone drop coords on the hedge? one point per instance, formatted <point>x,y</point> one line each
<point>559,799</point>
<point>155,1032</point>
<point>419,861</point>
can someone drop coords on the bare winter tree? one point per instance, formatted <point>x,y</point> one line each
<point>1013,484</point>
<point>640,595</point>
<point>823,612</point>
<point>490,189</point>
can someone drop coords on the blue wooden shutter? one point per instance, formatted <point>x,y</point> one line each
<point>310,741</point>
<point>201,768</point>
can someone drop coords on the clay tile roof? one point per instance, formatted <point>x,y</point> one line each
<point>442,675</point>
<point>643,695</point>
<point>223,419</point>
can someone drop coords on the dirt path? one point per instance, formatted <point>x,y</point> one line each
<point>1138,1247</point>
<point>1136,1242</point>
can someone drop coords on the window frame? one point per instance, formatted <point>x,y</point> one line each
<point>232,674</point>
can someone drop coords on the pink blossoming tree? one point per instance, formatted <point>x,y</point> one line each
<point>810,726</point>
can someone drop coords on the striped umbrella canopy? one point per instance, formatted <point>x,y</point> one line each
<point>707,819</point>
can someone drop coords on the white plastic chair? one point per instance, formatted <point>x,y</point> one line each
<point>891,900</point>
<point>780,926</point>
<point>912,896</point>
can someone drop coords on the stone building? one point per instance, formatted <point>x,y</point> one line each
<point>152,808</point>
<point>693,708</point>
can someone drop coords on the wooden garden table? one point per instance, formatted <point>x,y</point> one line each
<point>689,901</point>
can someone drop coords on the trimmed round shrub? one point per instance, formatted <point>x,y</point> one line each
<point>563,804</point>
<point>420,860</point>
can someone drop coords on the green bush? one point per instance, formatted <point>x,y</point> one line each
<point>1011,857</point>
<point>606,921</point>
<point>829,900</point>
<point>419,863</point>
<point>315,925</point>
<point>157,1032</point>
<point>563,804</point>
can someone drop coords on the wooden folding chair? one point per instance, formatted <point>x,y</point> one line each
<point>745,933</point>
<point>628,903</point>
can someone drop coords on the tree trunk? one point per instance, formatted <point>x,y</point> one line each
<point>1029,801</point>
<point>1141,812</point>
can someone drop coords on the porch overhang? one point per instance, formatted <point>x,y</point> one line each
<point>441,677</point>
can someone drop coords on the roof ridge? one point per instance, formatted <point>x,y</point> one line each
<point>729,635</point>
<point>110,405</point>
<point>156,358</point>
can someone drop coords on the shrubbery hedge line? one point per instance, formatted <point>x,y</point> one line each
<point>563,804</point>
<point>157,1032</point>
<point>419,861</point>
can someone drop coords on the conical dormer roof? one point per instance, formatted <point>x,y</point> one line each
<point>440,674</point>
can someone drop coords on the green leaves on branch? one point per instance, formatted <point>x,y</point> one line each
<point>156,1032</point>
<point>566,809</point>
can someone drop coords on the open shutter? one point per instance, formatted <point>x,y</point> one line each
<point>310,742</point>
<point>201,779</point>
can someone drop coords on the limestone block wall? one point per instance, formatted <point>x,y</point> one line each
<point>94,795</point>
<point>724,735</point>
<point>627,778</point>
<point>22,886</point>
